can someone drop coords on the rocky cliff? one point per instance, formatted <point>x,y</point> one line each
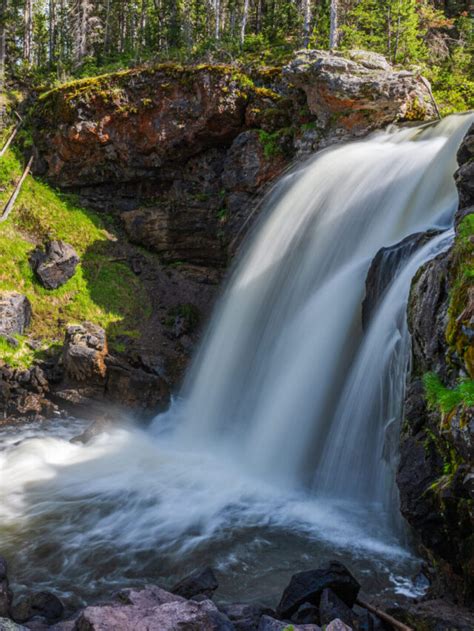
<point>180,154</point>
<point>436,475</point>
<point>171,162</point>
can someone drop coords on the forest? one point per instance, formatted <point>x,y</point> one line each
<point>48,41</point>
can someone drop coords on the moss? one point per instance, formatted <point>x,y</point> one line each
<point>266,93</point>
<point>272,143</point>
<point>445,399</point>
<point>102,290</point>
<point>188,312</point>
<point>461,295</point>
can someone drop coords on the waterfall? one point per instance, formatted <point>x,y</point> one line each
<point>279,453</point>
<point>285,376</point>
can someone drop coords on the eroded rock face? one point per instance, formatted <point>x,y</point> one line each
<point>55,265</point>
<point>182,155</point>
<point>384,268</point>
<point>358,92</point>
<point>92,376</point>
<point>436,452</point>
<point>85,349</point>
<point>15,313</point>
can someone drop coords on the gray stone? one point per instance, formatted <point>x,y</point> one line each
<point>358,91</point>
<point>144,615</point>
<point>15,313</point>
<point>85,348</point>
<point>55,265</point>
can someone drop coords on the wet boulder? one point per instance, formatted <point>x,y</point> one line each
<point>55,265</point>
<point>385,266</point>
<point>307,587</point>
<point>201,582</point>
<point>38,604</point>
<point>15,313</point>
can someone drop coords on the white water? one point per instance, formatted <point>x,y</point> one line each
<point>280,445</point>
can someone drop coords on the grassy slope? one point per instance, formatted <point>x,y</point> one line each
<point>103,291</point>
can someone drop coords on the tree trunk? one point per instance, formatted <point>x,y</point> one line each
<point>333,28</point>
<point>307,22</point>
<point>3,40</point>
<point>245,16</point>
<point>28,31</point>
<point>52,31</point>
<point>217,6</point>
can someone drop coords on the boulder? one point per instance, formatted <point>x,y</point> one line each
<point>38,604</point>
<point>15,313</point>
<point>307,587</point>
<point>55,265</point>
<point>358,91</point>
<point>85,348</point>
<point>177,614</point>
<point>202,582</point>
<point>331,607</point>
<point>246,617</point>
<point>270,624</point>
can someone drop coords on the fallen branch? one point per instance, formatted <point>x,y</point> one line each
<point>11,202</point>
<point>433,100</point>
<point>9,141</point>
<point>385,617</point>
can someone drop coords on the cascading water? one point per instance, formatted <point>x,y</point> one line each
<point>283,431</point>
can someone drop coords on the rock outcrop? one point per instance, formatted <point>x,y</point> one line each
<point>358,91</point>
<point>437,448</point>
<point>89,376</point>
<point>181,154</point>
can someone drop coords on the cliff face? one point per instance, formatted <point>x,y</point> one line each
<point>436,474</point>
<point>181,154</point>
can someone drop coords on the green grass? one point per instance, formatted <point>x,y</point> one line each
<point>445,399</point>
<point>102,290</point>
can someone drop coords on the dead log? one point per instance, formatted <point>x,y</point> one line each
<point>11,202</point>
<point>385,617</point>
